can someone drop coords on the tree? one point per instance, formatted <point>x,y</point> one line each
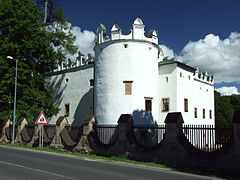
<point>23,37</point>
<point>225,107</point>
<point>59,29</point>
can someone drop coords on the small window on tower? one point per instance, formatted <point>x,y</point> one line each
<point>128,87</point>
<point>66,113</point>
<point>185,105</point>
<point>166,79</point>
<point>203,113</point>
<point>91,82</point>
<point>210,114</point>
<point>195,112</point>
<point>148,104</point>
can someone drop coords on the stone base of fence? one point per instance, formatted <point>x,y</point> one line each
<point>174,150</point>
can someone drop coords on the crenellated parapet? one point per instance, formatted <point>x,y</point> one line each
<point>81,60</point>
<point>203,77</point>
<point>137,33</point>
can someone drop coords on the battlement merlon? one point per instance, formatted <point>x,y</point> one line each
<point>137,32</point>
<point>203,77</point>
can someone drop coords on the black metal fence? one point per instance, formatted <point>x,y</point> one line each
<point>149,136</point>
<point>107,134</point>
<point>208,138</point>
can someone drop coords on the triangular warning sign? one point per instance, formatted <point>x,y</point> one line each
<point>41,119</point>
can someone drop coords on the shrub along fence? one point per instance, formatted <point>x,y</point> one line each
<point>174,144</point>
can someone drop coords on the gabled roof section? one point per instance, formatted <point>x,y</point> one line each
<point>180,64</point>
<point>101,27</point>
<point>138,21</point>
<point>116,27</point>
<point>152,32</point>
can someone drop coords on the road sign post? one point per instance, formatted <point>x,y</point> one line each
<point>41,120</point>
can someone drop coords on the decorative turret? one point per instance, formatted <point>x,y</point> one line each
<point>203,77</point>
<point>119,72</point>
<point>116,32</point>
<point>101,33</point>
<point>80,59</point>
<point>138,29</point>
<point>137,33</point>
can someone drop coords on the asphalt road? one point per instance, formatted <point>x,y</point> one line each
<point>24,164</point>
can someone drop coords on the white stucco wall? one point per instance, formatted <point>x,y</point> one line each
<point>199,92</point>
<point>114,64</point>
<point>132,58</point>
<point>200,95</point>
<point>72,86</point>
<point>167,89</point>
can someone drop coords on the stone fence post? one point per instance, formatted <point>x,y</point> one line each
<point>20,126</point>
<point>173,123</point>
<point>125,124</point>
<point>6,125</point>
<point>57,141</point>
<point>171,151</point>
<point>84,145</point>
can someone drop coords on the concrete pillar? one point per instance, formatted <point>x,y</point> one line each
<point>60,124</point>
<point>84,145</point>
<point>20,126</point>
<point>173,123</point>
<point>122,147</point>
<point>6,126</point>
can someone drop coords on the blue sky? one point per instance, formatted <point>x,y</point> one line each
<point>188,29</point>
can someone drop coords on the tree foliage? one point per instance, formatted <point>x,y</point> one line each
<point>23,37</point>
<point>225,107</point>
<point>59,29</point>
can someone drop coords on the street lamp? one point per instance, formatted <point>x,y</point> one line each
<point>15,97</point>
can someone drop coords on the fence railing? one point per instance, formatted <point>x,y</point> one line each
<point>149,136</point>
<point>107,134</point>
<point>208,138</point>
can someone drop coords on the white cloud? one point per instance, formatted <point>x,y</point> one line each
<point>84,40</point>
<point>220,58</point>
<point>227,91</point>
<point>167,51</point>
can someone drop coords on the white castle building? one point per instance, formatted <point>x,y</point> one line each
<point>130,76</point>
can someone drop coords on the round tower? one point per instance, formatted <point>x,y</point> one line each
<point>126,75</point>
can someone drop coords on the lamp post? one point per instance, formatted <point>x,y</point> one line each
<point>15,97</point>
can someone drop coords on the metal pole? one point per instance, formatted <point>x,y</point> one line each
<point>42,137</point>
<point>14,110</point>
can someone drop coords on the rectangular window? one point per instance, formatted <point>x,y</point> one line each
<point>91,82</point>
<point>195,112</point>
<point>128,87</point>
<point>165,104</point>
<point>148,104</point>
<point>203,113</point>
<point>185,105</point>
<point>210,114</point>
<point>66,113</point>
